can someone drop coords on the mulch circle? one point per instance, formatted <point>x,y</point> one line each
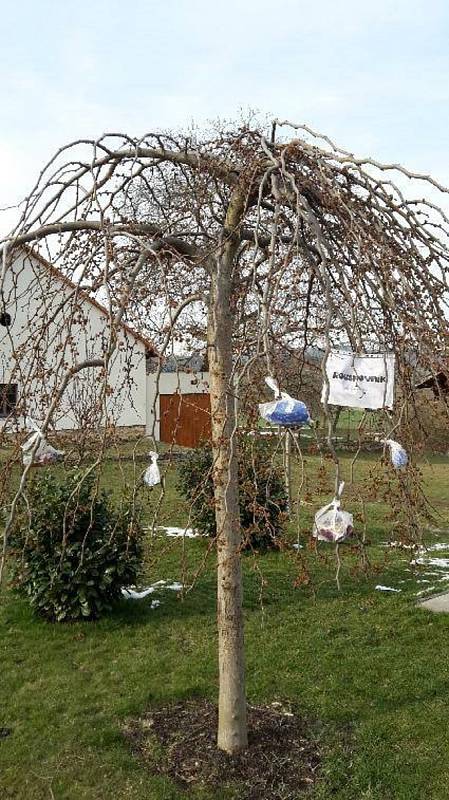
<point>179,741</point>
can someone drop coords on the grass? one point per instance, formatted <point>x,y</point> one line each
<point>368,668</point>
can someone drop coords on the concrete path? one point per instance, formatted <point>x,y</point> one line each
<point>439,603</point>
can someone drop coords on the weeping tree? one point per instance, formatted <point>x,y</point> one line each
<point>261,244</point>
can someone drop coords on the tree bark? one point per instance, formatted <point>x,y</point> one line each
<point>232,724</point>
<point>288,471</point>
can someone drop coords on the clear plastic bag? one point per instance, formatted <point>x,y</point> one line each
<point>152,476</point>
<point>44,454</point>
<point>331,523</point>
<point>399,457</point>
<point>285,410</point>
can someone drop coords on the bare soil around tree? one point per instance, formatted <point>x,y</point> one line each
<point>180,742</point>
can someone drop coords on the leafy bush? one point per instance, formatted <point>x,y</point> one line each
<point>263,499</point>
<point>75,551</point>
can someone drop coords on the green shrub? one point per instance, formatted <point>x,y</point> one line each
<point>75,551</point>
<point>263,499</point>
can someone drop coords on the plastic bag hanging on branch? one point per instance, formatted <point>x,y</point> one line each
<point>355,381</point>
<point>331,523</point>
<point>284,410</point>
<point>399,456</point>
<point>43,453</point>
<point>152,476</point>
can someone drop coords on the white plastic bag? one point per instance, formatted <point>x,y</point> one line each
<point>152,475</point>
<point>399,457</point>
<point>359,381</point>
<point>331,523</point>
<point>285,410</point>
<point>45,453</point>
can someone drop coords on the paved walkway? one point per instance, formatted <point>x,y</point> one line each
<point>439,603</point>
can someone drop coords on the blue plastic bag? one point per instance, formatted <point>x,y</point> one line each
<point>399,457</point>
<point>285,410</point>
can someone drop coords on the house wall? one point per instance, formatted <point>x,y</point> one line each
<point>51,331</point>
<point>170,383</point>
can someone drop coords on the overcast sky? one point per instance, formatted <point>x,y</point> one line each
<point>373,75</point>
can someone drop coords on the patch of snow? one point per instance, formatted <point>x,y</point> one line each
<point>436,568</point>
<point>171,530</point>
<point>440,573</point>
<point>298,546</point>
<point>381,588</point>
<point>431,548</point>
<point>442,563</point>
<point>400,545</point>
<point>176,587</point>
<point>131,594</point>
<point>437,546</point>
<point>262,432</point>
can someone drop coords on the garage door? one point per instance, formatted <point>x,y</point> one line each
<point>185,419</point>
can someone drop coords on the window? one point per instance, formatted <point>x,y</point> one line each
<point>8,399</point>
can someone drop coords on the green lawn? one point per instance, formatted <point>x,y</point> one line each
<point>368,668</point>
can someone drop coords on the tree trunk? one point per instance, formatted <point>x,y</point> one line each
<point>232,725</point>
<point>288,471</point>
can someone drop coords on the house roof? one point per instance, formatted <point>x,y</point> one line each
<point>435,380</point>
<point>149,346</point>
<point>193,362</point>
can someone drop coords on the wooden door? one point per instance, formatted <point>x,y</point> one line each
<point>185,419</point>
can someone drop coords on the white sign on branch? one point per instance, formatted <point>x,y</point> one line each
<point>359,381</point>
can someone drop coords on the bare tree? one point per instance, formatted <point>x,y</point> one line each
<point>284,241</point>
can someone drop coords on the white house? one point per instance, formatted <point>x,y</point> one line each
<point>47,326</point>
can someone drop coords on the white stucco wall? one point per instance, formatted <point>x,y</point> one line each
<point>52,330</point>
<point>169,383</point>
